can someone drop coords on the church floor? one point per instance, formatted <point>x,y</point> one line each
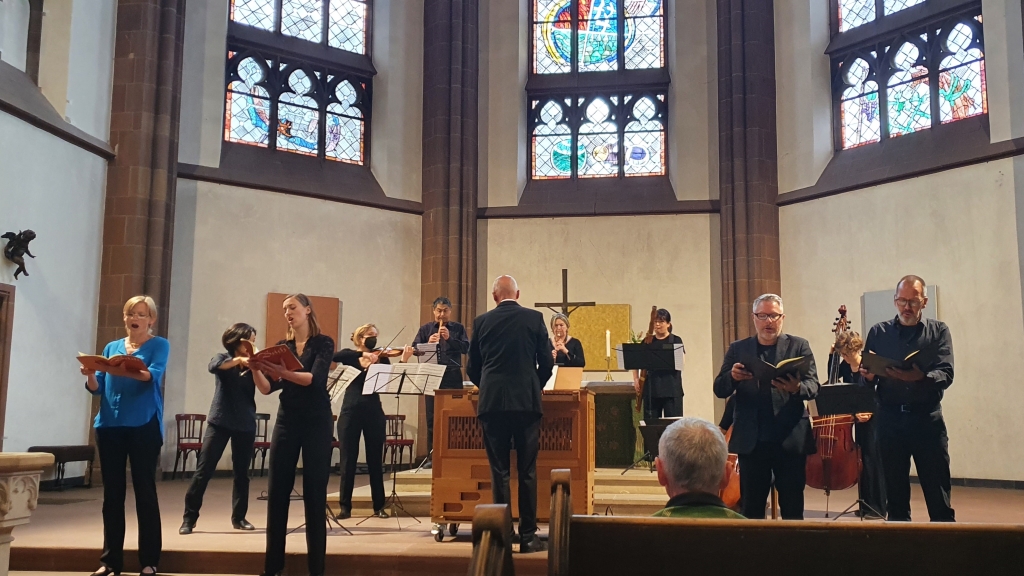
<point>65,533</point>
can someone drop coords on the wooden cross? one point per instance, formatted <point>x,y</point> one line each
<point>565,304</point>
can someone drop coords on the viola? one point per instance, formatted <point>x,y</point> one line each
<point>642,379</point>
<point>837,464</point>
<point>730,492</point>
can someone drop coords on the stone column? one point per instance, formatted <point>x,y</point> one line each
<point>139,212</point>
<point>748,158</point>
<point>19,494</point>
<point>450,117</point>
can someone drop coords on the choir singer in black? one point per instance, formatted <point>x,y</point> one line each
<point>771,431</point>
<point>910,422</point>
<point>452,342</point>
<point>568,351</point>
<point>510,360</point>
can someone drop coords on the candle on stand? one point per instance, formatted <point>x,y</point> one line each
<point>607,343</point>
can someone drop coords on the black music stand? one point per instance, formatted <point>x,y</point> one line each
<point>651,434</point>
<point>843,400</point>
<point>649,357</point>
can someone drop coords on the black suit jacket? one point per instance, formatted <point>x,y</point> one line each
<point>790,419</point>
<point>509,359</point>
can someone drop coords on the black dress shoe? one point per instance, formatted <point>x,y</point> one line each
<point>186,527</point>
<point>105,571</point>
<point>532,544</point>
<point>380,514</point>
<point>242,524</point>
<point>344,515</point>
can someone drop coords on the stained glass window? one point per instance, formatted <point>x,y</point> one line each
<point>920,77</point>
<point>588,30</point>
<point>247,107</point>
<point>298,117</point>
<point>614,136</point>
<point>344,125</point>
<point>345,27</point>
<point>854,13</point>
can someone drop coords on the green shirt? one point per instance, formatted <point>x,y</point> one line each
<point>697,505</point>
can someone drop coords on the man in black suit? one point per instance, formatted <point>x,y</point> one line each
<point>510,359</point>
<point>771,432</point>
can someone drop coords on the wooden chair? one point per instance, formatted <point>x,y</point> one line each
<point>395,440</point>
<point>262,445</point>
<point>492,541</point>
<point>336,444</point>
<point>190,439</point>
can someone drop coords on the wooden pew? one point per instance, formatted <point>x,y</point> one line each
<point>598,545</point>
<point>492,541</point>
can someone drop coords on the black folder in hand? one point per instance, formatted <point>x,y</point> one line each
<point>877,364</point>
<point>766,372</point>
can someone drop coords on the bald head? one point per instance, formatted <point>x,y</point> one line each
<point>504,287</point>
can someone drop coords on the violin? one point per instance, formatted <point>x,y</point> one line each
<point>642,379</point>
<point>837,464</point>
<point>730,493</point>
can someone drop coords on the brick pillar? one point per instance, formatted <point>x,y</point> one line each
<point>139,212</point>
<point>748,157</point>
<point>450,75</point>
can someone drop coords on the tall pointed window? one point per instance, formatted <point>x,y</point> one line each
<point>908,75</point>
<point>299,77</point>
<point>597,89</point>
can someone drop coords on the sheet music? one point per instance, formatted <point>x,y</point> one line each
<point>618,357</point>
<point>429,350</point>
<point>550,384</point>
<point>677,357</point>
<point>419,379</point>
<point>339,379</point>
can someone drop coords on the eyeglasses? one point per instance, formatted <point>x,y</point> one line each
<point>136,315</point>
<point>768,317</point>
<point>903,303</point>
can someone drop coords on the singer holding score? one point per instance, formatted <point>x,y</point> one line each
<point>452,342</point>
<point>568,351</point>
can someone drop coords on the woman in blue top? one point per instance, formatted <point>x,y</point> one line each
<point>129,427</point>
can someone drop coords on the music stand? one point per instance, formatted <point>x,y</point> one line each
<point>846,400</point>
<point>651,434</point>
<point>401,379</point>
<point>656,356</point>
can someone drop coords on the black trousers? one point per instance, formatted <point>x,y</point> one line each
<point>501,429</point>
<point>871,487</point>
<point>921,436</point>
<point>140,445</point>
<point>367,419</point>
<point>311,435</point>
<point>452,380</point>
<point>214,442</point>
<point>655,408</point>
<point>756,471</point>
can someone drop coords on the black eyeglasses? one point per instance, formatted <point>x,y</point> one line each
<point>768,317</point>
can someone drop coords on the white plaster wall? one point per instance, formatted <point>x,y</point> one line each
<point>636,260</point>
<point>367,257</point>
<point>956,229</point>
<point>202,83</point>
<point>803,92</point>
<point>691,54</point>
<point>91,66</point>
<point>14,32</point>
<point>396,145</point>
<point>57,190</point>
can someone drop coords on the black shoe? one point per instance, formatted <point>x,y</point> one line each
<point>380,514</point>
<point>344,515</point>
<point>153,573</point>
<point>532,544</point>
<point>429,464</point>
<point>105,571</point>
<point>242,524</point>
<point>186,528</point>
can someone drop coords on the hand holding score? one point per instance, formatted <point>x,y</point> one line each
<point>915,374</point>
<point>788,383</point>
<point>739,372</point>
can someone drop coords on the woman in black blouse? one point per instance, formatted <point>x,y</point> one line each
<point>663,390</point>
<point>304,423</point>
<point>232,417</point>
<point>568,351</point>
<point>362,414</point>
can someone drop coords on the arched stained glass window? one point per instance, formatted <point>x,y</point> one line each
<point>909,96</point>
<point>962,92</point>
<point>551,149</point>
<point>644,150</point>
<point>861,123</point>
<point>599,136</point>
<point>854,13</point>
<point>894,6</point>
<point>304,105</point>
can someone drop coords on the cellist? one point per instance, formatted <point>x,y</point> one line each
<point>663,389</point>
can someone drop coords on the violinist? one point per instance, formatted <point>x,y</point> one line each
<point>568,351</point>
<point>452,342</point>
<point>362,414</point>
<point>663,391</point>
<point>871,487</point>
<point>771,432</point>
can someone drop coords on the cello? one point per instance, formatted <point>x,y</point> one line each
<point>837,464</point>
<point>642,378</point>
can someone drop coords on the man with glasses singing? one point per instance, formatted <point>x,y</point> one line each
<point>909,414</point>
<point>771,432</point>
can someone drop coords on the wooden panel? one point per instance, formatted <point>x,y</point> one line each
<point>589,323</point>
<point>461,473</point>
<point>328,316</point>
<point>6,334</point>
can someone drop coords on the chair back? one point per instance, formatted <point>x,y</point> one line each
<point>395,426</point>
<point>190,427</point>
<point>262,422</point>
<point>558,527</point>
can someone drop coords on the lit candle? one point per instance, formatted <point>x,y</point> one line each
<point>607,343</point>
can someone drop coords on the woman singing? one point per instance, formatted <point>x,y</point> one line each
<point>568,351</point>
<point>304,422</point>
<point>232,417</point>
<point>129,429</point>
<point>362,414</point>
